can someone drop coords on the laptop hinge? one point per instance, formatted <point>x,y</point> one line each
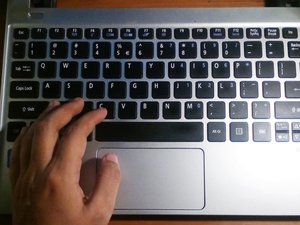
<point>42,3</point>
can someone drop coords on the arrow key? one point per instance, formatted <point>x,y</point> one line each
<point>292,89</point>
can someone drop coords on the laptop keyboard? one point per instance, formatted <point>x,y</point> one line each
<point>162,84</point>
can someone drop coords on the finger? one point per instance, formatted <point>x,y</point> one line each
<point>107,185</point>
<point>73,142</point>
<point>15,158</point>
<point>46,131</point>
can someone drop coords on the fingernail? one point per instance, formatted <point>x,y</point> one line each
<point>112,158</point>
<point>77,99</point>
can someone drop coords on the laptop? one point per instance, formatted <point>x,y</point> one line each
<point>203,104</point>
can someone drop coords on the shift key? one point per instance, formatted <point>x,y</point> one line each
<point>287,110</point>
<point>26,109</point>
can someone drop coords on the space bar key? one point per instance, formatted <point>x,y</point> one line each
<point>150,131</point>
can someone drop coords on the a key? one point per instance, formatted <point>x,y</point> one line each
<point>95,89</point>
<point>271,89</point>
<point>249,89</point>
<point>26,109</point>
<point>144,50</point>
<point>287,69</point>
<point>90,70</point>
<point>231,49</point>
<point>166,50</point>
<point>220,69</point>
<point>177,69</point>
<point>68,69</point>
<point>127,110</point>
<point>261,132</point>
<point>19,49</point>
<point>24,89</point>
<point>253,49</point>
<point>205,89</point>
<point>183,89</point>
<point>199,69</point>
<point>123,50</point>
<point>73,89</point>
<point>265,69</point>
<point>226,89</point>
<point>117,90</point>
<point>134,70</point>
<point>51,89</point>
<point>139,90</point>
<point>216,132</point>
<point>275,49</point>
<point>47,69</point>
<point>149,110</point>
<point>102,50</point>
<point>292,89</point>
<point>59,50</point>
<point>216,110</point>
<point>287,110</point>
<point>171,110</point>
<point>238,110</point>
<point>209,49</point>
<point>161,90</point>
<point>155,70</point>
<point>112,70</point>
<point>22,69</point>
<point>239,132</point>
<point>193,110</point>
<point>80,50</point>
<point>242,69</point>
<point>261,110</point>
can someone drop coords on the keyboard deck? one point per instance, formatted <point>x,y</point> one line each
<point>194,84</point>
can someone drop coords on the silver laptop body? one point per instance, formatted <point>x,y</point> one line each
<point>204,103</point>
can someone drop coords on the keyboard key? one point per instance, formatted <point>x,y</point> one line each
<point>80,50</point>
<point>272,33</point>
<point>68,69</point>
<point>181,33</point>
<point>177,69</point>
<point>26,109</point>
<point>13,130</point>
<point>161,90</point>
<point>205,89</point>
<point>155,70</point>
<point>188,50</point>
<point>171,110</point>
<point>146,33</point>
<point>296,131</point>
<point>235,33</point>
<point>249,89</point>
<point>271,89</point>
<point>287,69</point>
<point>144,50</point>
<point>226,89</point>
<point>127,110</point>
<point>282,132</point>
<point>199,69</point>
<point>183,89</point>
<point>193,110</point>
<point>73,89</point>
<point>102,50</point>
<point>149,110</point>
<point>217,33</point>
<point>163,33</point>
<point>216,132</point>
<point>111,109</point>
<point>220,69</point>
<point>37,50</point>
<point>290,32</point>
<point>57,33</point>
<point>110,33</point>
<point>261,132</point>
<point>51,89</point>
<point>265,69</point>
<point>92,33</point>
<point>90,70</point>
<point>231,49</point>
<point>275,49</point>
<point>292,89</point>
<point>287,110</point>
<point>22,69</point>
<point>47,69</point>
<point>59,50</point>
<point>139,90</point>
<point>238,110</point>
<point>74,33</point>
<point>134,70</point>
<point>243,69</point>
<point>123,50</point>
<point>199,33</point>
<point>294,49</point>
<point>253,33</point>
<point>152,131</point>
<point>261,110</point>
<point>19,49</point>
<point>24,89</point>
<point>216,110</point>
<point>21,33</point>
<point>95,89</point>
<point>117,90</point>
<point>239,132</point>
<point>253,49</point>
<point>209,50</point>
<point>166,50</point>
<point>112,70</point>
<point>128,33</point>
<point>38,33</point>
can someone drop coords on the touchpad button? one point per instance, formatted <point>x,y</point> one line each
<point>162,179</point>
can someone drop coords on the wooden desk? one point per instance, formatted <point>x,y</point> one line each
<point>6,220</point>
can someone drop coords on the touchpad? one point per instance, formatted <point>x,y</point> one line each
<point>162,179</point>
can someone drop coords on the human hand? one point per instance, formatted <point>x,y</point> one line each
<point>45,170</point>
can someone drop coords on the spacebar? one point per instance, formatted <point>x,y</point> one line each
<point>150,131</point>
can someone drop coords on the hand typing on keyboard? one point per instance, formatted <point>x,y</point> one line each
<point>45,170</point>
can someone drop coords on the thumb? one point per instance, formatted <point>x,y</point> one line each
<point>107,185</point>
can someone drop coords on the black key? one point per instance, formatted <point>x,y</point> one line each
<point>39,33</point>
<point>217,33</point>
<point>144,50</point>
<point>155,70</point>
<point>112,70</point>
<point>117,90</point>
<point>110,106</point>
<point>271,89</point>
<point>294,49</point>
<point>296,131</point>
<point>253,49</point>
<point>272,33</point>
<point>238,110</point>
<point>166,50</point>
<point>261,110</point>
<point>287,69</point>
<point>127,110</point>
<point>110,33</point>
<point>177,69</point>
<point>181,33</point>
<point>37,50</point>
<point>52,89</point>
<point>160,90</point>
<point>239,132</point>
<point>282,132</point>
<point>275,49</point>
<point>199,33</point>
<point>146,33</point>
<point>102,50</point>
<point>149,110</point>
<point>163,33</point>
<point>220,69</point>
<point>95,89</point>
<point>139,90</point>
<point>73,89</point>
<point>128,33</point>
<point>171,110</point>
<point>193,110</point>
<point>235,33</point>
<point>290,32</point>
<point>261,132</point>
<point>253,33</point>
<point>287,110</point>
<point>57,33</point>
<point>249,89</point>
<point>58,50</point>
<point>123,50</point>
<point>74,33</point>
<point>231,49</point>
<point>90,70</point>
<point>226,89</point>
<point>47,69</point>
<point>134,70</point>
<point>92,33</point>
<point>265,69</point>
<point>199,69</point>
<point>69,69</point>
<point>21,33</point>
<point>242,69</point>
<point>216,110</point>
<point>292,89</point>
<point>22,69</point>
<point>24,89</point>
<point>205,89</point>
<point>216,132</point>
<point>188,50</point>
<point>152,131</point>
<point>26,109</point>
<point>18,51</point>
<point>80,50</point>
<point>209,49</point>
<point>183,89</point>
<point>13,130</point>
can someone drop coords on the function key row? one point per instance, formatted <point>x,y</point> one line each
<point>159,33</point>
